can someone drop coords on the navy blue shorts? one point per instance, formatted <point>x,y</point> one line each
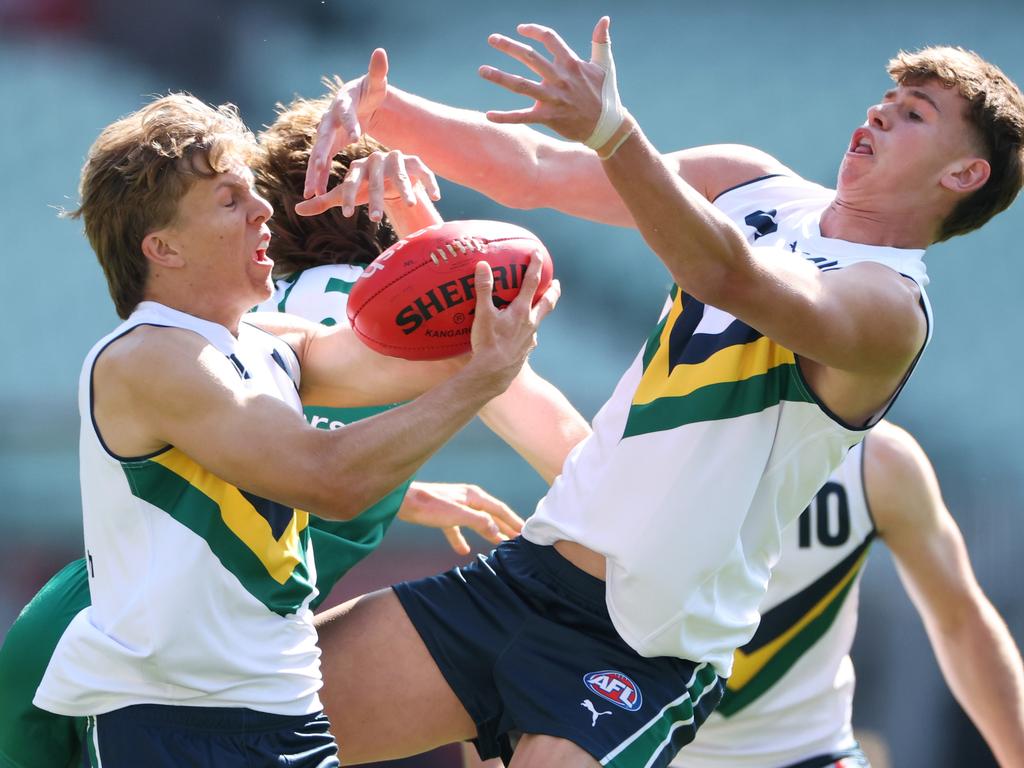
<point>524,639</point>
<point>158,736</point>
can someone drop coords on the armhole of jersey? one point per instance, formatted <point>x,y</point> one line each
<point>92,404</point>
<point>926,310</point>
<point>742,184</point>
<point>884,409</point>
<point>864,483</point>
<point>821,403</point>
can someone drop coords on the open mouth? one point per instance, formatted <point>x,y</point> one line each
<point>260,256</point>
<point>860,143</point>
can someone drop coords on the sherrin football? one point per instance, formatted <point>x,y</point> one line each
<point>417,299</point>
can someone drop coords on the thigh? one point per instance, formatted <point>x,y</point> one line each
<point>383,693</point>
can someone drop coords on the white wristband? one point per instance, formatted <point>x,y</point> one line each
<point>612,113</point>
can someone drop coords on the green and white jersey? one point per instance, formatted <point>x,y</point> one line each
<point>710,446</point>
<point>200,590</point>
<point>790,696</point>
<point>320,295</point>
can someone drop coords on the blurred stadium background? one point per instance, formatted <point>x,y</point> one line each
<point>793,78</point>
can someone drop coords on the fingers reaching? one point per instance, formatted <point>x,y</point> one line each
<point>551,40</point>
<point>375,180</point>
<point>343,123</point>
<point>454,506</point>
<point>524,54</point>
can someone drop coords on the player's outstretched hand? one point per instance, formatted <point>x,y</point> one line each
<point>502,339</point>
<point>571,93</point>
<point>376,180</point>
<point>350,114</point>
<point>453,506</point>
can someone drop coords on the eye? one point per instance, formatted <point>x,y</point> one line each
<point>231,203</point>
<point>915,116</point>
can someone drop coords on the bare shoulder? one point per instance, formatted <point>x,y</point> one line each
<point>716,168</point>
<point>133,397</point>
<point>145,351</point>
<point>898,477</point>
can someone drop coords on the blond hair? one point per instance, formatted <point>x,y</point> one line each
<point>996,113</point>
<point>137,171</point>
<point>301,242</point>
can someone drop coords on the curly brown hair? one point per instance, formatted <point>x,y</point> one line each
<point>996,112</point>
<point>139,168</point>
<point>301,242</point>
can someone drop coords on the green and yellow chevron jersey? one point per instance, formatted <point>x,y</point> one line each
<point>689,378</point>
<point>200,590</point>
<point>320,294</point>
<point>261,542</point>
<point>791,692</point>
<point>710,446</point>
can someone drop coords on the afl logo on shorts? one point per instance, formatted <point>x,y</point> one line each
<point>614,687</point>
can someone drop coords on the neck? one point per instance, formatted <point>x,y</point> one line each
<point>856,222</point>
<point>197,306</point>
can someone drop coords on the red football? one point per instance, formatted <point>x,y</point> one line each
<point>417,299</point>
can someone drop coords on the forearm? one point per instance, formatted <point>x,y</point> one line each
<point>982,667</point>
<point>702,249</point>
<point>364,461</point>
<point>537,421</point>
<point>511,164</point>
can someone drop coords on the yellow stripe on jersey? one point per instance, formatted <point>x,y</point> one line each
<point>738,362</point>
<point>278,555</point>
<point>747,666</point>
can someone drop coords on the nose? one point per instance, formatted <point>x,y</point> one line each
<point>261,209</point>
<point>878,116</point>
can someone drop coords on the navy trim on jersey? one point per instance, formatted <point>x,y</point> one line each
<point>745,183</point>
<point>864,482</point>
<point>92,400</point>
<point>877,417</point>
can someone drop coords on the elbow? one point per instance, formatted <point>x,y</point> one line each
<point>338,506</point>
<point>334,495</point>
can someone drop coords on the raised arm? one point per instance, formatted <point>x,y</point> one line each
<point>856,330</point>
<point>513,164</point>
<point>977,654</point>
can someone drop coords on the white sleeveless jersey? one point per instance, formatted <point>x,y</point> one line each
<point>710,445</point>
<point>200,590</point>
<point>790,696</point>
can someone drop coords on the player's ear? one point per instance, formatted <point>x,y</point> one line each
<point>157,247</point>
<point>967,175</point>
